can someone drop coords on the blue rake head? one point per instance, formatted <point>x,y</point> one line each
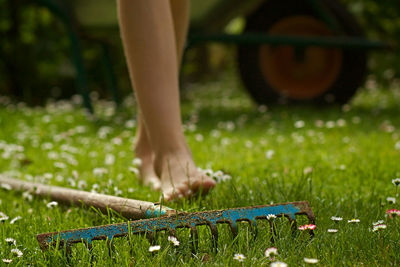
<point>180,220</point>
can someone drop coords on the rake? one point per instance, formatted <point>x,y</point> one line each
<point>150,218</point>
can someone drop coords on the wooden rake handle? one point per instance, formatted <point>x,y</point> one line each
<point>129,208</point>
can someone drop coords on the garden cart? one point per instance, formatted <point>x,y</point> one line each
<point>289,50</point>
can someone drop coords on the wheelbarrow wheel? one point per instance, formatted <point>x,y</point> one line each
<point>313,74</point>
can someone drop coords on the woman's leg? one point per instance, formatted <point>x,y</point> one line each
<point>147,31</point>
<point>143,150</point>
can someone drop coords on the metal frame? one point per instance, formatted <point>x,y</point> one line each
<point>196,38</point>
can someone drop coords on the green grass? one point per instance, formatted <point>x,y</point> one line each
<point>342,161</point>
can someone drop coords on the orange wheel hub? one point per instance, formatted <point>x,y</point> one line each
<point>305,73</point>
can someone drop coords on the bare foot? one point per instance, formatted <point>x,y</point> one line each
<point>147,175</point>
<point>180,177</point>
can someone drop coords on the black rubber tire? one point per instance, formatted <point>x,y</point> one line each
<point>354,62</point>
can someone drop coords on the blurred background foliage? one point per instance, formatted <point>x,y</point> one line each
<point>35,54</point>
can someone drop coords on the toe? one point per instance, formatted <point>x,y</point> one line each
<point>172,194</point>
<point>203,184</point>
<point>154,183</point>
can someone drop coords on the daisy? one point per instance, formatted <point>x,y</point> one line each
<point>154,248</point>
<point>10,240</point>
<point>271,216</point>
<point>378,227</point>
<point>378,222</point>
<point>396,181</point>
<point>333,230</point>
<point>391,212</point>
<point>299,124</point>
<point>307,227</point>
<point>17,252</point>
<point>52,204</point>
<point>15,219</point>
<point>278,264</point>
<point>137,162</point>
<point>7,260</point>
<point>353,221</point>
<point>269,154</point>
<point>3,217</point>
<point>99,171</point>
<point>391,200</point>
<point>239,257</point>
<point>109,160</point>
<point>134,170</point>
<point>6,187</point>
<point>27,196</point>
<point>174,240</point>
<point>271,251</point>
<point>310,260</point>
<point>336,219</point>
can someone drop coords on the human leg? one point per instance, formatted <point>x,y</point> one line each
<point>147,31</point>
<point>143,150</point>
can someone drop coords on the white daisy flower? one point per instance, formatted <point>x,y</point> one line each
<point>199,137</point>
<point>378,227</point>
<point>310,260</point>
<point>3,217</point>
<point>333,230</point>
<point>271,216</point>
<point>7,260</point>
<point>173,240</point>
<point>99,171</point>
<point>308,170</point>
<point>278,264</point>
<point>82,184</point>
<point>130,124</point>
<point>396,181</point>
<point>134,170</point>
<point>52,204</point>
<point>15,219</point>
<point>27,196</point>
<point>378,222</point>
<point>239,257</point>
<point>60,165</point>
<point>271,251</point>
<point>391,200</point>
<point>353,221</point>
<point>154,248</point>
<point>330,124</point>
<point>109,160</point>
<point>269,154</point>
<point>137,162</point>
<point>6,186</point>
<point>336,219</point>
<point>17,252</point>
<point>10,240</point>
<point>299,124</point>
<point>397,145</point>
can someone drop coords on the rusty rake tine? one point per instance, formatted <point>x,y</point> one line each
<point>311,219</point>
<point>214,234</point>
<point>253,227</point>
<point>234,229</point>
<point>293,225</point>
<point>150,237</point>
<point>89,247</point>
<point>110,246</point>
<point>68,252</point>
<point>171,232</point>
<point>194,234</point>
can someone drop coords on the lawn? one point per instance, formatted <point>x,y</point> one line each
<point>342,159</point>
